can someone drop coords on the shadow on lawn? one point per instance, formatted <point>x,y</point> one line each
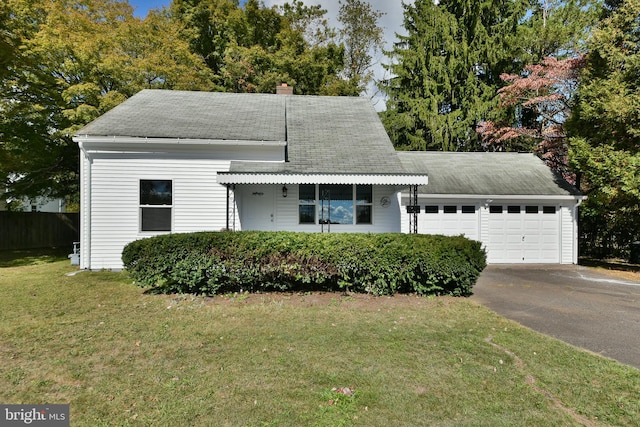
<point>24,257</point>
<point>610,264</point>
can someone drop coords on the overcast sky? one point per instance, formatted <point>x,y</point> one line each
<point>391,22</point>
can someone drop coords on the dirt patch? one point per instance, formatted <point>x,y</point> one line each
<point>311,299</point>
<point>633,276</point>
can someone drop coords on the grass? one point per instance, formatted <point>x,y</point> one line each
<point>123,357</point>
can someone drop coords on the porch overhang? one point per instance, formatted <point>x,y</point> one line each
<point>230,178</point>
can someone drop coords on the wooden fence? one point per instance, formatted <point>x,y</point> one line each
<point>27,230</point>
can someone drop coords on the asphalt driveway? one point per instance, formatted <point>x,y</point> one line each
<point>572,303</point>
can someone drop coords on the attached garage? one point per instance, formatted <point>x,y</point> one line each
<point>513,203</point>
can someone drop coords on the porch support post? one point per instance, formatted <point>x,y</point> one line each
<point>228,194</point>
<point>413,215</point>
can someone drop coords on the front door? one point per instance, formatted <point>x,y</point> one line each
<point>257,210</point>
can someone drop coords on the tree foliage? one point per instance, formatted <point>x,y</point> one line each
<point>71,61</point>
<point>64,63</point>
<point>605,149</point>
<point>556,28</point>
<point>541,98</point>
<point>362,38</point>
<point>254,48</point>
<point>447,70</point>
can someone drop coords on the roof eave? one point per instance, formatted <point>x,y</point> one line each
<point>489,198</point>
<point>127,140</point>
<point>228,178</point>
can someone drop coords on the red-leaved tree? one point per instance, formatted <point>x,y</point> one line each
<point>537,104</point>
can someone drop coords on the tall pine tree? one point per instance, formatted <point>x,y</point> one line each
<point>447,70</point>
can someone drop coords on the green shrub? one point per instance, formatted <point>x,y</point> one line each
<point>380,264</point>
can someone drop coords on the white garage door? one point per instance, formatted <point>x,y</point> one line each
<point>523,234</point>
<point>450,220</point>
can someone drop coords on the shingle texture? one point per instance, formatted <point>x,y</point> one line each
<point>197,115</point>
<point>485,174</point>
<point>332,135</point>
<point>327,135</point>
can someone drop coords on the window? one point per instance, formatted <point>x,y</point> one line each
<point>431,209</point>
<point>156,200</point>
<point>335,204</point>
<point>549,209</point>
<point>364,204</point>
<point>468,209</point>
<point>513,209</point>
<point>307,204</point>
<point>531,209</point>
<point>449,209</point>
<point>495,209</point>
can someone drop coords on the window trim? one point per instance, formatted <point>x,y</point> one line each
<point>354,203</point>
<point>142,207</point>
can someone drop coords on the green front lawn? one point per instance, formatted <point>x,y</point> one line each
<point>122,357</point>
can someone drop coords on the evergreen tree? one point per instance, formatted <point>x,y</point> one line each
<point>556,28</point>
<point>447,70</point>
<point>605,149</point>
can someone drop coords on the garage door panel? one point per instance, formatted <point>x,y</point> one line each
<point>524,236</point>
<point>450,224</point>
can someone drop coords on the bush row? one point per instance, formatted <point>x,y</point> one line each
<point>380,264</point>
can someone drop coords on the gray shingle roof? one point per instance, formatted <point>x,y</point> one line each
<point>327,135</point>
<point>332,135</point>
<point>485,174</point>
<point>197,115</point>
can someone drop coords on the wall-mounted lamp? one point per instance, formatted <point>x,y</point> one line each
<point>284,191</point>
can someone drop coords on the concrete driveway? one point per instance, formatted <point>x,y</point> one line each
<point>572,303</point>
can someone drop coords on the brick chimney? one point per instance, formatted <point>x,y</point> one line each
<point>284,89</point>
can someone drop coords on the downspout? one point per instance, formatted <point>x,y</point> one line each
<point>576,230</point>
<point>85,208</point>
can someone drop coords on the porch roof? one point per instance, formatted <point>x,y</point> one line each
<point>310,178</point>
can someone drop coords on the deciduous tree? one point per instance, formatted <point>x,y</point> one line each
<point>362,39</point>
<point>605,123</point>
<point>540,101</point>
<point>77,59</point>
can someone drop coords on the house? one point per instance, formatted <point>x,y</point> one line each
<point>35,204</point>
<point>175,161</point>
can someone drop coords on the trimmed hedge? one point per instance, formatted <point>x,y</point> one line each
<point>379,264</point>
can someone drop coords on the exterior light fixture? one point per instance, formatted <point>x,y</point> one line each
<point>284,191</point>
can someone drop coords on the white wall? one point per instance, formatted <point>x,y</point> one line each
<point>385,219</point>
<point>199,202</point>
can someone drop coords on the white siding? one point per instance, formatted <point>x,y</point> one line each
<point>199,203</point>
<point>385,219</point>
<point>569,234</point>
